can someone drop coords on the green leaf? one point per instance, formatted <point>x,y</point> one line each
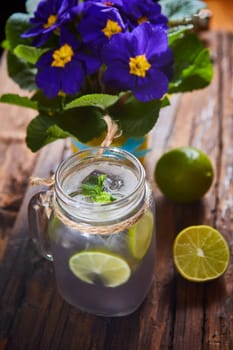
<point>16,25</point>
<point>5,44</point>
<point>21,72</point>
<point>85,123</point>
<point>193,68</point>
<point>28,53</point>
<point>136,118</point>
<point>102,101</point>
<point>31,5</point>
<point>178,10</point>
<point>175,32</point>
<point>41,131</point>
<point>93,187</point>
<point>50,105</point>
<point>22,101</point>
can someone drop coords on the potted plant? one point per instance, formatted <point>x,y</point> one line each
<point>83,60</point>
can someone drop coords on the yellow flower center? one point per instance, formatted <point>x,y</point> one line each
<point>62,56</point>
<point>51,20</point>
<point>108,3</point>
<point>142,20</point>
<point>139,65</point>
<point>111,28</point>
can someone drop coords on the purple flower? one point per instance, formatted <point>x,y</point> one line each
<point>49,16</point>
<point>138,11</point>
<point>139,61</point>
<point>99,23</point>
<point>110,3</point>
<point>63,70</point>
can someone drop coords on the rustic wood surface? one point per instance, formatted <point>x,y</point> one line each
<point>176,314</point>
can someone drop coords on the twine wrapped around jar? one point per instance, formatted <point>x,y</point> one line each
<point>45,201</point>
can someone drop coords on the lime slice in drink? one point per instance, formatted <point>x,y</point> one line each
<point>90,266</point>
<point>200,253</point>
<point>140,235</point>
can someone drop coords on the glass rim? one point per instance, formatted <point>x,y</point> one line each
<point>90,153</point>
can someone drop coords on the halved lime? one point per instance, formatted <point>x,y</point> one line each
<point>200,253</point>
<point>140,235</point>
<point>111,269</point>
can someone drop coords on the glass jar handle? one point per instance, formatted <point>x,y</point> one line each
<point>40,209</point>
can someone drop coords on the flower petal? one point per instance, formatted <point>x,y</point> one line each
<point>154,86</point>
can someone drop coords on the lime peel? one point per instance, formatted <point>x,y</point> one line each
<point>184,174</point>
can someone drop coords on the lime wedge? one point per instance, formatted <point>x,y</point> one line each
<point>200,253</point>
<point>111,269</point>
<point>140,235</point>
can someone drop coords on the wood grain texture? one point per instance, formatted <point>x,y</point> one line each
<point>176,314</point>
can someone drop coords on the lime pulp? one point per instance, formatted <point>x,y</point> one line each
<point>140,235</point>
<point>111,269</point>
<point>200,253</point>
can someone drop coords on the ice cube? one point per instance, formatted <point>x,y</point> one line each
<point>92,177</point>
<point>113,183</point>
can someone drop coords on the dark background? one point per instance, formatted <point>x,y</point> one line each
<point>8,7</point>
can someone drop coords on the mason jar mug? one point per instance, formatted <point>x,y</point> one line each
<point>101,231</point>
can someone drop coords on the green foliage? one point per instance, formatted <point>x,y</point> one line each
<point>31,5</point>
<point>17,100</point>
<point>94,189</point>
<point>85,123</point>
<point>21,72</point>
<point>101,101</point>
<point>41,131</point>
<point>176,33</point>
<point>193,68</point>
<point>28,53</point>
<point>178,10</point>
<point>15,26</point>
<point>134,117</point>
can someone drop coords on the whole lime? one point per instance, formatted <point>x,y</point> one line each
<point>184,174</point>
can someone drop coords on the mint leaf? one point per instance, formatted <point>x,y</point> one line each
<point>94,188</point>
<point>104,197</point>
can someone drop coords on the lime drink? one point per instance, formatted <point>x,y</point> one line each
<point>109,271</point>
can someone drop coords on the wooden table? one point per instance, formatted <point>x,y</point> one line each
<point>176,314</point>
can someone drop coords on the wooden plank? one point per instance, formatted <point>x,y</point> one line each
<point>219,296</point>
